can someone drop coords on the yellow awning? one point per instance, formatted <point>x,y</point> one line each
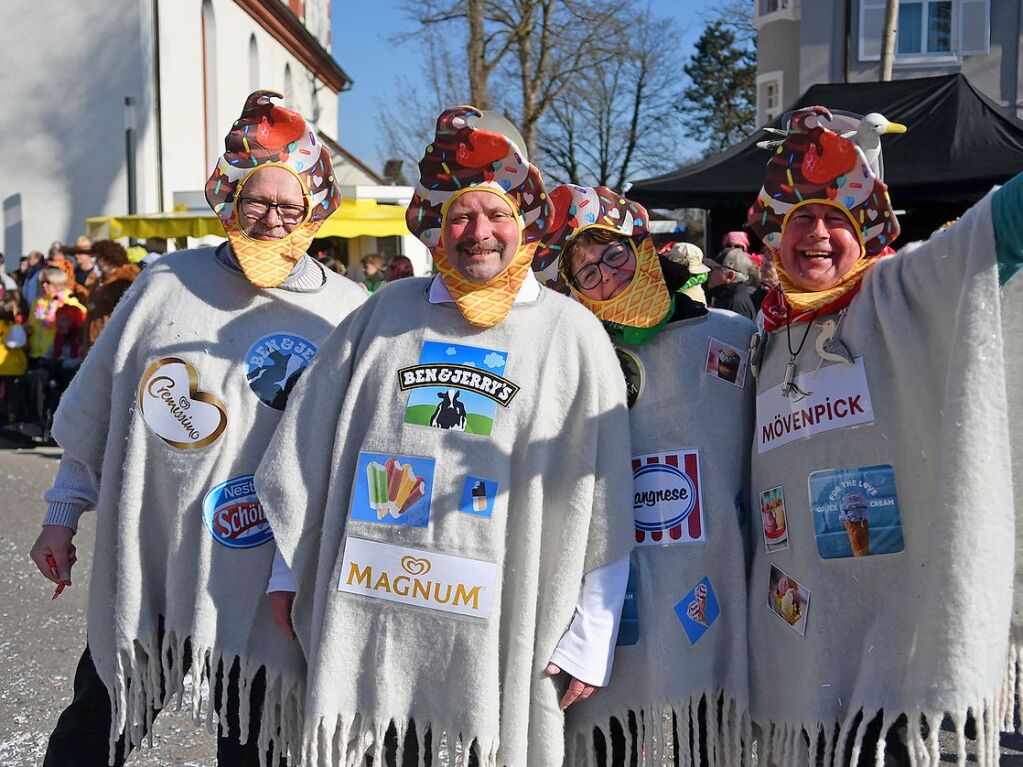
<point>355,218</point>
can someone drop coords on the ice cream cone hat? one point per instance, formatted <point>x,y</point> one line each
<point>465,157</point>
<point>269,135</point>
<point>645,302</point>
<point>814,164</point>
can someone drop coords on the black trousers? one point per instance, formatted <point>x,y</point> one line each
<point>80,738</point>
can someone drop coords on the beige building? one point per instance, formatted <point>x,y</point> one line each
<point>803,42</point>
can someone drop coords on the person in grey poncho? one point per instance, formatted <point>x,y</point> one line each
<point>883,429</point>
<point>162,429</point>
<point>464,450</point>
<point>678,694</point>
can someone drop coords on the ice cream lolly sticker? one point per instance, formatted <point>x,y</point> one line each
<point>727,362</point>
<point>856,512</point>
<point>393,489</point>
<point>772,515</point>
<point>456,387</point>
<point>698,610</point>
<point>478,496</point>
<point>788,600</point>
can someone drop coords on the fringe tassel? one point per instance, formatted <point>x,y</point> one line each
<point>1011,699</point>
<point>821,744</point>
<point>336,741</point>
<point>150,676</point>
<point>653,730</point>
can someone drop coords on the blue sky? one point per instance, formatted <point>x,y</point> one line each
<point>362,40</point>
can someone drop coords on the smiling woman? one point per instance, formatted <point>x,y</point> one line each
<point>819,245</point>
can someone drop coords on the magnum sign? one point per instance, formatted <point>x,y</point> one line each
<point>412,577</point>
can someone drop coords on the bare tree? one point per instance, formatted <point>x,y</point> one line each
<point>737,16</point>
<point>407,121</point>
<point>620,117</point>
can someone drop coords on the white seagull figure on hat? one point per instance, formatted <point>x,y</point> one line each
<point>868,137</point>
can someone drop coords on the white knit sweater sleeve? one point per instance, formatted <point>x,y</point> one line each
<point>586,651</point>
<point>75,490</point>
<point>281,577</point>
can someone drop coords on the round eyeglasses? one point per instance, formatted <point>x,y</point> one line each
<point>614,256</point>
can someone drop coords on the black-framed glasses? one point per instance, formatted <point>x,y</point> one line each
<point>255,209</point>
<point>614,256</point>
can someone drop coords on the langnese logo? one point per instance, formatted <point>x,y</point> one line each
<point>423,579</point>
<point>666,505</point>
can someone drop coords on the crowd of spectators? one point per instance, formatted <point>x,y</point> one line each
<point>52,310</point>
<point>53,307</point>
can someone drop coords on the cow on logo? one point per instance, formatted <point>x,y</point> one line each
<point>450,412</point>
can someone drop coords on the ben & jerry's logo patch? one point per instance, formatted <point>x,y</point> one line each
<point>456,387</point>
<point>273,365</point>
<point>421,578</point>
<point>175,409</point>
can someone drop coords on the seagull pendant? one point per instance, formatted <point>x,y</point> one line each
<point>829,346</point>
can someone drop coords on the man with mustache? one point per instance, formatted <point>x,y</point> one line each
<point>438,569</point>
<point>162,430</point>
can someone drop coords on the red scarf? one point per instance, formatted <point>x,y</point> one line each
<point>778,312</point>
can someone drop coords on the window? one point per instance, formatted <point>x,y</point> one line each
<point>769,96</point>
<point>253,64</point>
<point>927,30</point>
<point>774,10</point>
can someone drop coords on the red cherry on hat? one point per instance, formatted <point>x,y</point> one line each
<point>284,127</point>
<point>486,149</point>
<point>837,156</point>
<point>561,199</point>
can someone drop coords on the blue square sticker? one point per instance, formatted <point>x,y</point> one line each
<point>698,610</point>
<point>856,512</point>
<point>478,496</point>
<point>393,489</point>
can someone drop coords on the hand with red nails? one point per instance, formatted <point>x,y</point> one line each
<point>54,554</point>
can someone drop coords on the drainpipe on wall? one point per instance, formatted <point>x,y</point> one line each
<point>157,104</point>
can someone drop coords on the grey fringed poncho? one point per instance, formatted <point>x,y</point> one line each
<point>172,409</point>
<point>685,408</point>
<point>914,436</point>
<point>443,611</point>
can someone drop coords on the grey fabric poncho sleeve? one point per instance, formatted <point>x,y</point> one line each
<point>559,454</point>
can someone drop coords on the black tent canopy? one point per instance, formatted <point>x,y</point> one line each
<point>959,144</point>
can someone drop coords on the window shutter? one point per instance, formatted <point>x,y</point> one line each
<point>871,28</point>
<point>974,27</point>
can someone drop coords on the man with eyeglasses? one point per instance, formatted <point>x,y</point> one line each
<point>162,430</point>
<point>464,446</point>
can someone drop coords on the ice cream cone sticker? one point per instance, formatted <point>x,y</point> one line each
<point>857,525</point>
<point>393,489</point>
<point>697,609</point>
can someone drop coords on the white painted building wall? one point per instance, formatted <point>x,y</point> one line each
<point>65,69</point>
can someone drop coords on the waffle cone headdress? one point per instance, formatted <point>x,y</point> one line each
<point>815,164</point>
<point>645,300</point>
<point>265,135</point>
<point>465,158</point>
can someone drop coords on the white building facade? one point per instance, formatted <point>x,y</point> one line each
<point>67,69</point>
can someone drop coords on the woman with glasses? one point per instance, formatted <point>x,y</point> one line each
<point>682,639</point>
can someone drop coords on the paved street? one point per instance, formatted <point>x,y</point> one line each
<point>41,639</point>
